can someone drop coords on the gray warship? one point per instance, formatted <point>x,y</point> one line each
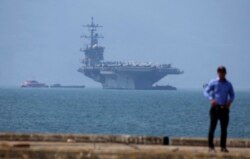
<point>119,74</point>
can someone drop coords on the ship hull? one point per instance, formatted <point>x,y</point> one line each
<point>141,79</point>
<point>42,86</point>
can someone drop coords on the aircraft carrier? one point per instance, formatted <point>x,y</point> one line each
<point>119,74</point>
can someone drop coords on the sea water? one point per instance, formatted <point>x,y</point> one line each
<point>102,111</point>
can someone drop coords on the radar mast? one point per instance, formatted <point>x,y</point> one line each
<point>93,35</point>
<point>93,52</point>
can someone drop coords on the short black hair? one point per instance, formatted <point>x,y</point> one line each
<point>222,69</point>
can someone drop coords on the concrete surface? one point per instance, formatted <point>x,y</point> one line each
<point>16,147</point>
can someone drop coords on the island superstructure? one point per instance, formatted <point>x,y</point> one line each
<point>119,74</point>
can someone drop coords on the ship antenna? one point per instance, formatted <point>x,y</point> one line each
<point>92,20</point>
<point>93,36</point>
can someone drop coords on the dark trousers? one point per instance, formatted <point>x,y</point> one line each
<point>218,113</point>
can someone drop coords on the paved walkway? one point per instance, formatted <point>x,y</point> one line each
<point>70,149</point>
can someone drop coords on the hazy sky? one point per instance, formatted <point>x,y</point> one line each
<point>40,39</point>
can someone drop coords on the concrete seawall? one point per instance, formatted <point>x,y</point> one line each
<point>78,146</point>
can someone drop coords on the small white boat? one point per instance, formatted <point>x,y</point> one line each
<point>33,83</point>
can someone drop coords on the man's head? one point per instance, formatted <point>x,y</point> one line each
<point>222,71</point>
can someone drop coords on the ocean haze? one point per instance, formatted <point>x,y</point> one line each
<point>41,39</point>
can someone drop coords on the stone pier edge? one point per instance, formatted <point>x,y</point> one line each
<point>125,139</point>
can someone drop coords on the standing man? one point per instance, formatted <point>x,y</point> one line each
<point>221,95</point>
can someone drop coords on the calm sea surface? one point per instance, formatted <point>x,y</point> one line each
<point>98,111</point>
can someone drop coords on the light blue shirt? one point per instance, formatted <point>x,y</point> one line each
<point>220,90</point>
